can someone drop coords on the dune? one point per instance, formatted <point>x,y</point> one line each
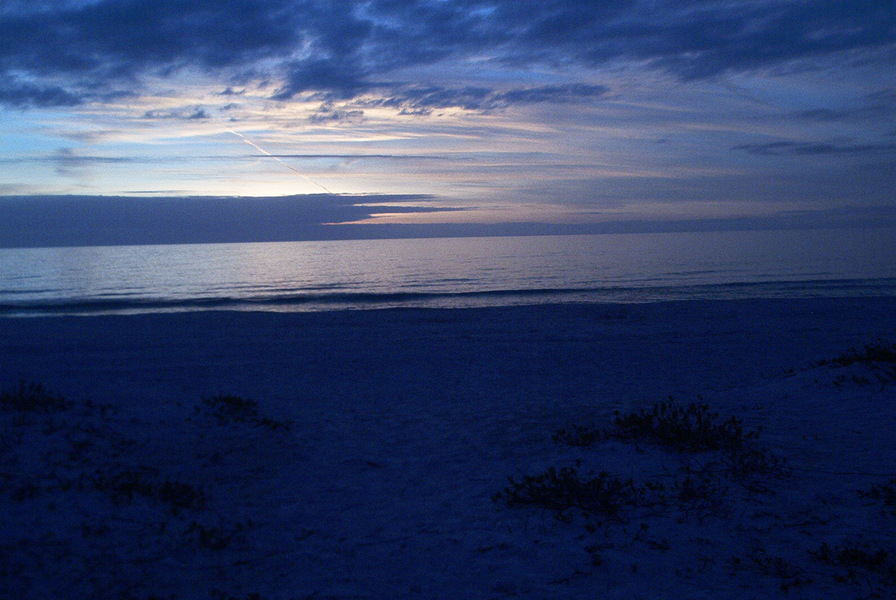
<point>397,453</point>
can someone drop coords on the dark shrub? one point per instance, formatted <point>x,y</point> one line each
<point>32,397</point>
<point>604,495</point>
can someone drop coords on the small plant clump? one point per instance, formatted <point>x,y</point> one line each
<point>681,428</point>
<point>697,490</point>
<point>220,595</point>
<point>216,538</point>
<point>604,495</point>
<point>580,435</point>
<point>858,560</point>
<point>234,409</point>
<point>790,575</point>
<point>876,353</point>
<point>32,398</point>
<point>124,486</point>
<point>690,428</point>
<point>879,356</point>
<point>748,462</point>
<point>886,492</point>
<point>698,494</point>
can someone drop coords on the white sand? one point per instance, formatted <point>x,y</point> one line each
<point>405,423</point>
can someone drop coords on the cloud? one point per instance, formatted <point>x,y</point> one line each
<point>339,79</point>
<point>554,94</point>
<point>120,38</point>
<point>423,100</point>
<point>68,161</point>
<point>47,221</point>
<point>28,95</point>
<point>328,113</point>
<point>187,114</point>
<point>29,221</point>
<point>869,180</point>
<point>707,39</point>
<point>875,106</point>
<point>814,148</point>
<point>356,157</point>
<point>9,189</point>
<point>67,51</point>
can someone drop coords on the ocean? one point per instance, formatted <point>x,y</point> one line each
<point>447,272</point>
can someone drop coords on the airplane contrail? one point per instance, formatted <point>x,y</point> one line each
<point>280,160</point>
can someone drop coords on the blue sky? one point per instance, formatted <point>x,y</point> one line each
<point>460,111</point>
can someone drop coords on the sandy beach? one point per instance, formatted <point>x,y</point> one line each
<point>265,456</point>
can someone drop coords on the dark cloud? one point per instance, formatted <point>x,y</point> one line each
<point>187,114</point>
<point>423,100</point>
<point>340,80</point>
<point>814,148</point>
<point>356,157</point>
<point>69,51</point>
<point>874,106</point>
<point>829,114</point>
<point>123,37</point>
<point>68,161</point>
<point>715,38</point>
<point>43,221</point>
<point>48,221</point>
<point>556,94</point>
<point>867,181</point>
<point>328,113</point>
<point>27,95</point>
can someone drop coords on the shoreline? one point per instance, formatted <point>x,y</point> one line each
<point>351,301</point>
<point>58,348</point>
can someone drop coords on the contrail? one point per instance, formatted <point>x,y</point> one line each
<point>280,160</point>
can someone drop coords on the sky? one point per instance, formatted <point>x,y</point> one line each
<point>503,115</point>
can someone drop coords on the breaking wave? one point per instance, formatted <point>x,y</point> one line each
<point>297,301</point>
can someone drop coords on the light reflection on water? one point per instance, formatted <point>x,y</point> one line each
<point>449,272</point>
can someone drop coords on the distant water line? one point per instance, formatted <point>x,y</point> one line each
<point>446,273</point>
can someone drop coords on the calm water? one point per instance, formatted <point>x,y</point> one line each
<point>455,272</point>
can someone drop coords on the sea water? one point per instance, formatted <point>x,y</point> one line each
<point>447,272</point>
